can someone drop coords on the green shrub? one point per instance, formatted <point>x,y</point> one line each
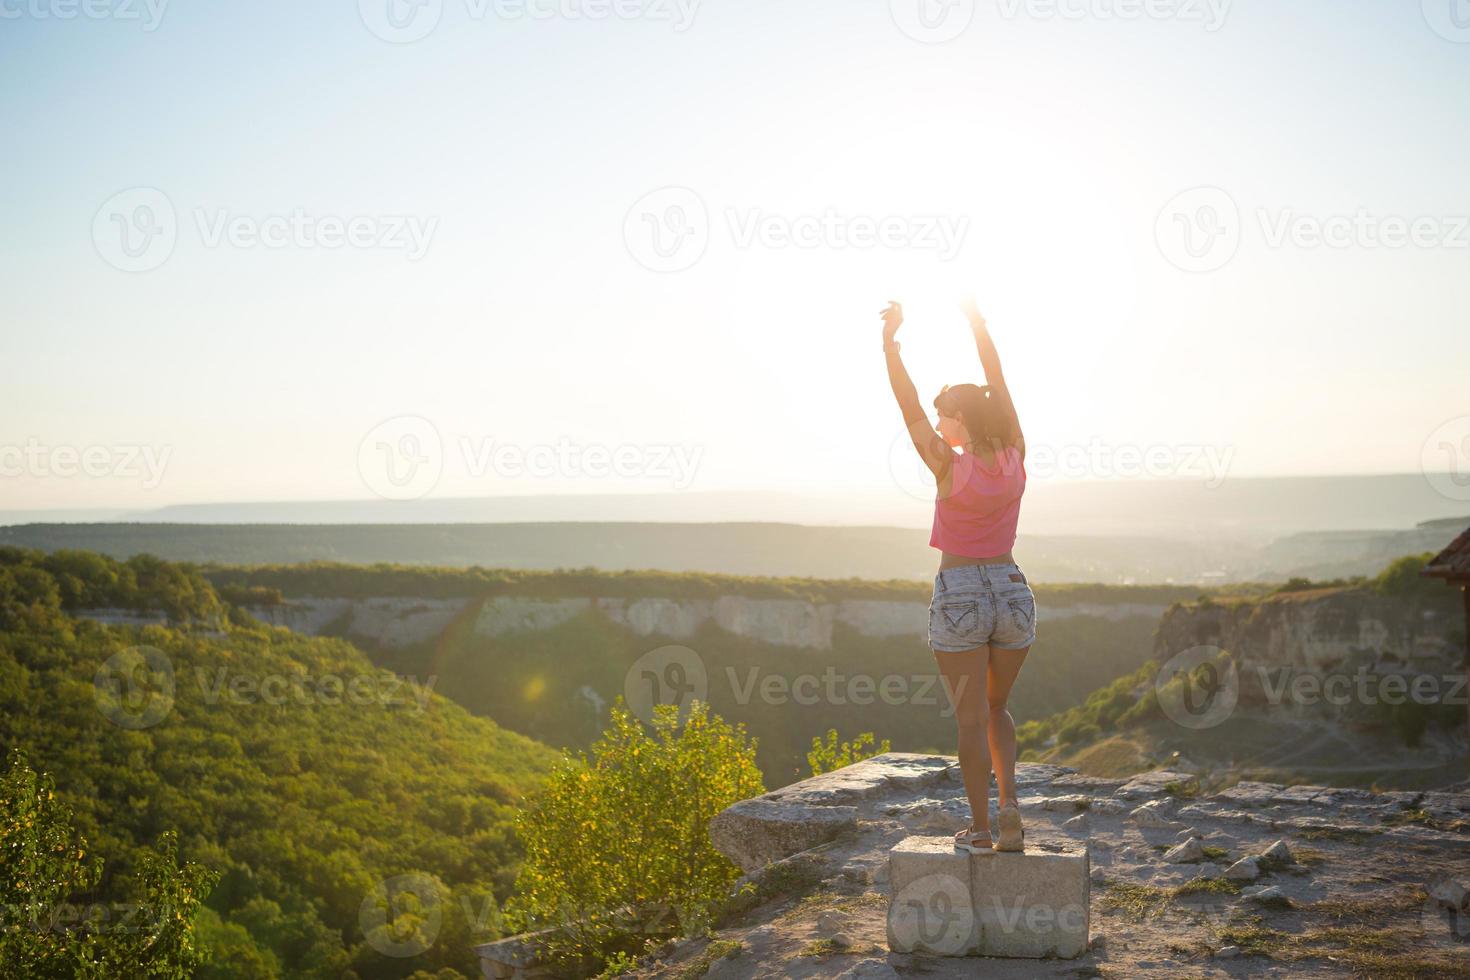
<point>1404,578</point>
<point>617,845</point>
<point>829,755</point>
<point>57,925</point>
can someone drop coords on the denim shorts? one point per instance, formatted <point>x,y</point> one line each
<point>982,605</point>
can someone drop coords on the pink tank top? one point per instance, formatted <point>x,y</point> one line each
<point>978,519</point>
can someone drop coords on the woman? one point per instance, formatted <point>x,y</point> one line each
<point>982,621</point>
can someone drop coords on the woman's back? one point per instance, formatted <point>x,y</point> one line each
<point>978,506</point>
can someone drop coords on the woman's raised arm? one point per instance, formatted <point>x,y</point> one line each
<point>994,377</point>
<point>926,441</point>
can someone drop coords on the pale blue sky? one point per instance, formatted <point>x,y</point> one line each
<point>529,322</point>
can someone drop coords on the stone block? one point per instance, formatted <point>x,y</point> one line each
<point>1025,905</point>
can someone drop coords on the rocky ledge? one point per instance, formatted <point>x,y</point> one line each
<point>1255,880</point>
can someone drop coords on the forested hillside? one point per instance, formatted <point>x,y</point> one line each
<point>322,789</point>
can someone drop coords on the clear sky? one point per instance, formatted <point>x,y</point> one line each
<point>1036,157</point>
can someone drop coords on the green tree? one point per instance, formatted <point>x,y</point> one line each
<point>58,926</point>
<point>617,845</point>
<point>829,755</point>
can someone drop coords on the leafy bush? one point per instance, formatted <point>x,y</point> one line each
<point>617,845</point>
<point>57,922</point>
<point>1404,578</point>
<point>828,756</point>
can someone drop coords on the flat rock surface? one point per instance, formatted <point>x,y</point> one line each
<point>1355,901</point>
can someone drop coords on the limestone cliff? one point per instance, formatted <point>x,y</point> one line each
<point>396,622</point>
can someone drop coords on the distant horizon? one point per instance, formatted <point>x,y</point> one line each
<point>1242,507</point>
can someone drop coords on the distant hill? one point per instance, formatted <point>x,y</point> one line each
<point>771,550</point>
<point>1248,509</point>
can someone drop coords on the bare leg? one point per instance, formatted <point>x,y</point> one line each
<point>1004,666</point>
<point>965,680</point>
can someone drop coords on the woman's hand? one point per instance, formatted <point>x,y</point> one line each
<point>972,311</point>
<point>892,320</point>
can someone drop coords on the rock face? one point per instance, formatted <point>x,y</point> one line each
<point>762,831</point>
<point>389,623</point>
<point>1312,636</point>
<point>394,623</point>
